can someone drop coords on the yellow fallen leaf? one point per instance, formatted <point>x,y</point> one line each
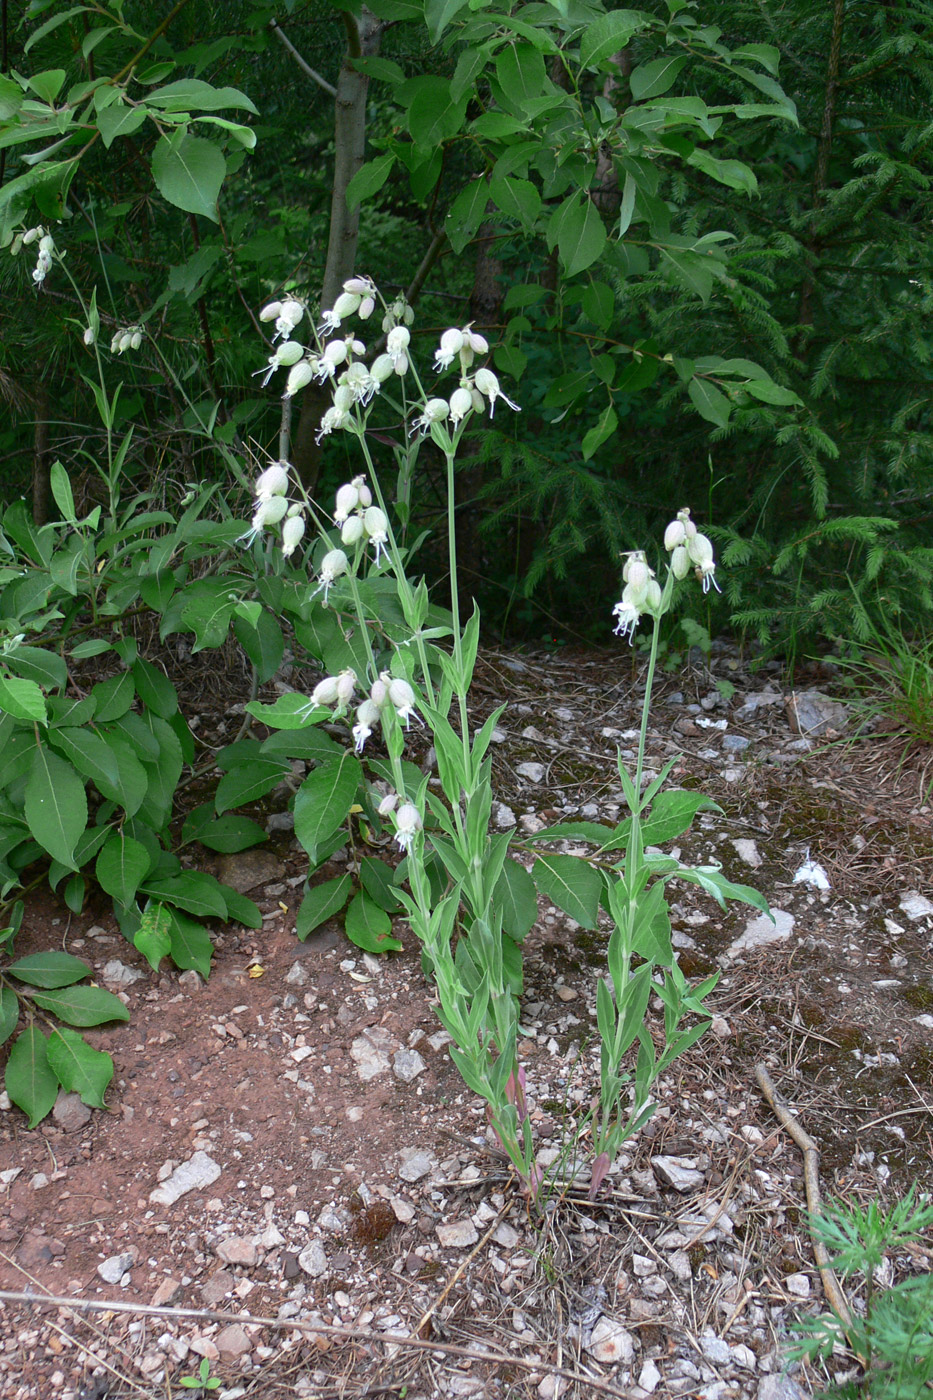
<point>257,971</point>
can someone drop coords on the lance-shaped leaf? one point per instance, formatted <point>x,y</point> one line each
<point>572,883</point>
<point>30,1081</point>
<point>83,1006</point>
<point>55,805</point>
<point>54,969</point>
<point>78,1067</point>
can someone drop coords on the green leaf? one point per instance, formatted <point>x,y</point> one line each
<point>323,801</point>
<point>599,304</point>
<point>769,392</point>
<point>227,834</point>
<point>369,179</point>
<point>608,34</point>
<point>517,198</point>
<point>690,269</point>
<point>655,78</point>
<point>709,402</point>
<point>734,173</point>
<point>248,781</point>
<point>369,927</point>
<point>192,890</point>
<point>521,74</point>
<point>438,15</point>
<point>22,699</point>
<point>289,711</point>
<point>188,172</point>
<point>190,944</point>
<point>9,1013</point>
<point>578,231</point>
<point>83,1006</point>
<point>377,879</point>
<point>207,614</point>
<point>596,436</point>
<point>572,883</point>
<point>46,668</point>
<point>263,643</point>
<point>517,900</point>
<point>153,937</point>
<point>672,813</point>
<point>466,214</point>
<point>154,689</point>
<point>55,805</point>
<point>79,1068</point>
<point>241,910</point>
<point>29,1079</point>
<point>122,865</point>
<point>193,94</point>
<point>90,754</point>
<point>113,697</point>
<point>53,969</point>
<point>321,903</point>
<point>119,120</point>
<point>433,116</point>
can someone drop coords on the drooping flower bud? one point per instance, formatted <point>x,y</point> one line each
<point>347,499</point>
<point>487,383</point>
<point>346,684</point>
<point>272,482</point>
<point>292,531</point>
<point>402,697</point>
<point>325,692</point>
<point>388,804</point>
<point>377,528</point>
<point>363,491</point>
<point>407,824</point>
<point>461,403</point>
<point>674,535</point>
<point>450,346</point>
<point>299,375</point>
<point>680,562</point>
<point>435,411</point>
<point>352,531</point>
<point>271,312</point>
<point>397,342</point>
<point>333,564</point>
<point>269,512</point>
<point>367,717</point>
<point>89,337</point>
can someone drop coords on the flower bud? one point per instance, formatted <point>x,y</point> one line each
<point>680,561</point>
<point>271,312</point>
<point>89,336</point>
<point>347,499</point>
<point>381,368</point>
<point>407,823</point>
<point>461,403</point>
<point>402,697</point>
<point>270,512</point>
<point>292,531</point>
<point>352,531</point>
<point>325,692</point>
<point>298,376</point>
<point>362,286</point>
<point>272,482</point>
<point>450,346</point>
<point>700,550</point>
<point>397,342</point>
<point>136,340</point>
<point>674,535</point>
<point>366,308</point>
<point>346,684</point>
<point>379,690</point>
<point>388,804</point>
<point>365,495</point>
<point>375,523</point>
<point>333,564</point>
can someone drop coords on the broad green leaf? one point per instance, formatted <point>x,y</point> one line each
<point>439,13</point>
<point>90,754</point>
<point>241,910</point>
<point>517,198</point>
<point>599,304</point>
<point>572,883</point>
<point>227,834</point>
<point>188,172</point>
<point>310,744</point>
<point>207,614</point>
<point>48,85</point>
<point>122,865</point>
<point>133,781</point>
<point>191,946</point>
<point>74,892</point>
<point>433,116</point>
<point>113,697</point>
<point>321,903</point>
<point>54,969</point>
<point>46,668</point>
<point>263,643</point>
<point>578,231</point>
<point>322,803</point>
<point>377,879</point>
<point>289,711</point>
<point>466,214</point>
<point>119,120</point>
<point>83,1006</point>
<point>153,937</point>
<point>369,179</point>
<point>655,78</point>
<point>521,74</point>
<point>734,173</point>
<point>709,402</point>
<point>193,890</point>
<point>78,1067</point>
<point>769,392</point>
<point>603,430</point>
<point>55,805</point>
<point>154,689</point>
<point>22,699</point>
<point>690,269</point>
<point>193,94</point>
<point>608,34</point>
<point>9,1013</point>
<point>29,1078</point>
<point>517,900</point>
<point>248,781</point>
<point>370,927</point>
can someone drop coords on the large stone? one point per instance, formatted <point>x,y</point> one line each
<point>247,869</point>
<point>199,1171</point>
<point>610,1343</point>
<point>232,1341</point>
<point>458,1234</point>
<point>70,1113</point>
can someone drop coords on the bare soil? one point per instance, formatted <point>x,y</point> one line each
<point>352,1198</point>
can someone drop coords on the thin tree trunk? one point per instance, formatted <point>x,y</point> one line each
<point>363,37</point>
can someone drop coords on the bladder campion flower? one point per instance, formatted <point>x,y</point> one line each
<point>333,564</point>
<point>407,824</point>
<point>272,482</point>
<point>488,385</point>
<point>292,531</point>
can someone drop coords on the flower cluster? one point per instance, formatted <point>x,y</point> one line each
<point>273,508</point>
<point>407,819</point>
<point>44,254</point>
<point>359,519</point>
<point>126,338</point>
<point>387,690</point>
<point>642,592</point>
<point>286,314</point>
<point>687,547</point>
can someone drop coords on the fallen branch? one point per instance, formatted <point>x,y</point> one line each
<point>811,1177</point>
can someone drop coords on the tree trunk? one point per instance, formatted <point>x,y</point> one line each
<point>363,36</point>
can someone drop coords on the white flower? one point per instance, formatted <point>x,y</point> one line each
<point>637,575</point>
<point>290,313</point>
<point>450,346</point>
<point>381,368</point>
<point>407,823</point>
<point>352,531</point>
<point>325,692</point>
<point>674,535</point>
<point>388,804</point>
<point>706,574</point>
<point>627,612</point>
<point>435,411</point>
<point>680,561</point>
<point>487,383</point>
<point>700,549</point>
<point>89,336</point>
<point>346,684</point>
<point>300,375</point>
<point>363,491</point>
<point>366,308</point>
<point>272,482</point>
<point>32,234</point>
<point>333,418</point>
<point>377,528</point>
<point>344,306</point>
<point>461,403</point>
<point>333,564</point>
<point>269,512</point>
<point>367,717</point>
<point>271,312</point>
<point>292,531</point>
<point>288,353</point>
<point>403,698</point>
<point>361,286</point>
<point>379,690</point>
<point>347,499</point>
<point>397,342</point>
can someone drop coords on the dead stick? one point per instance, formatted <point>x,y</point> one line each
<point>811,1178</point>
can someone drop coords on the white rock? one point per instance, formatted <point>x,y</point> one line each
<point>643,1266</point>
<point>407,1065</point>
<point>649,1377</point>
<point>503,816</point>
<point>748,851</point>
<point>798,1284</point>
<point>414,1163</point>
<point>199,1171</point>
<point>404,1210</point>
<point>914,905</point>
<point>313,1259</point>
<point>715,1350</point>
<point>371,1052</point>
<point>458,1234</point>
<point>118,974</point>
<point>534,772</point>
<point>505,1235</point>
<point>610,1343</point>
<point>760,931</point>
<point>113,1269</point>
<point>236,1250</point>
<point>680,1172</point>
